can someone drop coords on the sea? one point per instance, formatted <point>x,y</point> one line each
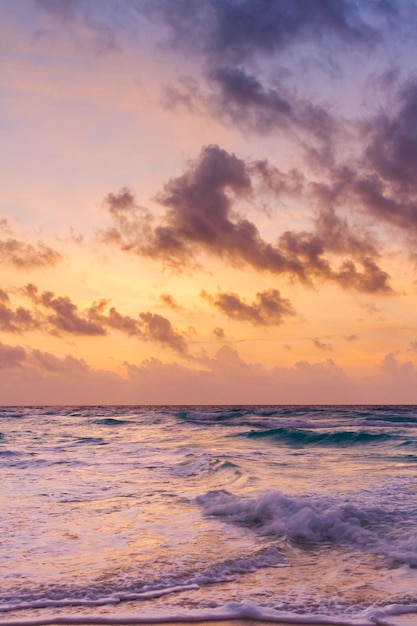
<point>142,515</point>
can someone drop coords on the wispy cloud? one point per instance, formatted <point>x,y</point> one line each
<point>22,254</point>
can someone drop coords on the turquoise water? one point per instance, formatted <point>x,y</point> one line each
<point>165,513</point>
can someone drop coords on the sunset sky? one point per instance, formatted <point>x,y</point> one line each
<point>208,201</point>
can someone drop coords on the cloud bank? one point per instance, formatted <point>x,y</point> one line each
<point>41,378</point>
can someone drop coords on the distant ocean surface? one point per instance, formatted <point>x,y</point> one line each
<point>143,514</point>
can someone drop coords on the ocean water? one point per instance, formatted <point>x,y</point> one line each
<point>146,514</point>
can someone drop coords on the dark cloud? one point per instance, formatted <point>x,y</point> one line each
<point>15,320</point>
<point>133,223</point>
<point>371,280</point>
<point>65,317</point>
<point>201,215</point>
<point>235,36</point>
<point>238,30</point>
<point>268,309</point>
<point>98,313</point>
<point>332,235</point>
<point>219,332</point>
<point>322,345</point>
<point>388,187</point>
<point>232,29</point>
<point>235,96</point>
<point>231,39</point>
<point>148,326</point>
<point>95,320</point>
<point>18,320</point>
<point>158,328</point>
<point>26,256</point>
<point>169,301</point>
<point>392,152</point>
<point>245,100</point>
<point>338,236</point>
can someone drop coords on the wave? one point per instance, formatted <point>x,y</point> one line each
<point>301,438</point>
<point>318,521</point>
<point>98,441</point>
<point>225,571</point>
<point>196,466</point>
<point>212,414</point>
<point>111,421</point>
<point>392,419</point>
<point>219,572</point>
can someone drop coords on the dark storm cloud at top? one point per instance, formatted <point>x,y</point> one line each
<point>241,44</point>
<point>236,30</point>
<point>246,53</point>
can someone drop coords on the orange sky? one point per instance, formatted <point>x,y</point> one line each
<point>211,203</point>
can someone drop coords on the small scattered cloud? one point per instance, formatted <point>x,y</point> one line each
<point>268,309</point>
<point>169,301</point>
<point>16,320</point>
<point>371,308</point>
<point>158,328</point>
<point>219,333</point>
<point>352,338</point>
<point>322,345</point>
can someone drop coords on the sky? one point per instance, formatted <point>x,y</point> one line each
<point>208,202</point>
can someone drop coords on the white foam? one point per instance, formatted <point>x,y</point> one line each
<point>113,598</point>
<point>316,520</point>
<point>371,617</point>
<point>226,570</point>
